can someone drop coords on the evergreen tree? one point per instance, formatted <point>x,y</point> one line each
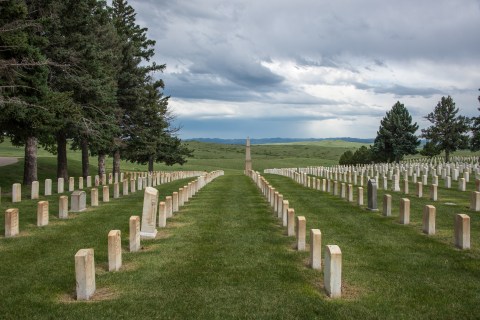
<point>449,131</point>
<point>134,71</point>
<point>346,158</point>
<point>23,82</point>
<point>396,135</point>
<point>475,139</point>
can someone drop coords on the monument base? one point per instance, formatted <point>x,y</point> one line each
<point>148,235</point>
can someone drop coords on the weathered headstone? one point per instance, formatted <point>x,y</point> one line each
<point>134,236</point>
<point>350,193</point>
<point>301,230</point>
<point>285,213</point>
<point>333,271</point>
<point>71,184</point>
<point>132,186</point>
<point>85,273</point>
<point>433,192</point>
<point>94,197</point>
<point>89,181</point>
<point>116,190</point>
<point>97,180</point>
<point>35,190</point>
<point>448,182</point>
<point>461,184</point>
<point>169,206</point>
<point>475,201</point>
<point>175,202</point>
<point>462,231</point>
<point>360,196</point>
<point>419,189</point>
<point>11,223</point>
<point>80,183</point>
<point>60,185</point>
<point>63,207</point>
<point>405,187</point>
<point>396,183</point>
<point>343,191</point>
<point>387,205</point>
<point>372,195</point>
<point>42,213</point>
<point>291,222</point>
<point>106,194</point>
<point>114,250</point>
<point>162,215</point>
<point>48,187</point>
<point>78,201</point>
<point>181,198</point>
<point>16,192</point>
<point>404,211</point>
<point>125,187</point>
<point>429,213</point>
<point>315,249</point>
<point>149,213</point>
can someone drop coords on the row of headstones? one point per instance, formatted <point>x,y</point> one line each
<point>462,221</point>
<point>297,227</point>
<point>144,229</point>
<point>78,204</point>
<point>305,179</point>
<point>327,185</point>
<point>142,179</point>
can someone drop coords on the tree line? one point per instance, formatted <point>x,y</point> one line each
<point>396,136</point>
<point>80,73</point>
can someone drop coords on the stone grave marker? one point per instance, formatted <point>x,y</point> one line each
<point>48,187</point>
<point>175,202</point>
<point>63,207</point>
<point>462,231</point>
<point>475,201</point>
<point>80,183</point>
<point>11,223</point>
<point>301,229</point>
<point>106,194</point>
<point>116,190</point>
<point>360,196</point>
<point>134,236</point>
<point>42,213</point>
<point>35,190</point>
<point>60,185</point>
<point>114,250</point>
<point>78,201</point>
<point>85,274</point>
<point>94,197</point>
<point>429,213</point>
<point>149,213</point>
<point>372,195</point>
<point>387,205</point>
<point>125,187</point>
<point>333,271</point>
<point>291,222</point>
<point>16,192</point>
<point>285,213</point>
<point>162,215</point>
<point>404,211</point>
<point>315,249</point>
<point>433,192</point>
<point>169,206</point>
<point>71,184</point>
<point>89,181</point>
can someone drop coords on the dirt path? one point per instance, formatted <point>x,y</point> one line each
<point>5,161</point>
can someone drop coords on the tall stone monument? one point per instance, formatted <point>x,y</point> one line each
<point>248,157</point>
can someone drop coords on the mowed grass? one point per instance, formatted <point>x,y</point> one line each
<point>225,256</point>
<point>394,271</point>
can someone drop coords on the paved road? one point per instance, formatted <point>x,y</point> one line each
<point>5,161</point>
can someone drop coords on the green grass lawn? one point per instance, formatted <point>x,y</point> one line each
<point>225,256</point>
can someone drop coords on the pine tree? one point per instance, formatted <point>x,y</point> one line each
<point>23,82</point>
<point>475,139</point>
<point>396,135</point>
<point>449,131</point>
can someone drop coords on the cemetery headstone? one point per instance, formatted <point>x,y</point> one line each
<point>85,274</point>
<point>315,249</point>
<point>301,229</point>
<point>149,213</point>
<point>429,213</point>
<point>114,250</point>
<point>63,207</point>
<point>134,236</point>
<point>462,231</point>
<point>78,202</point>
<point>35,190</point>
<point>42,213</point>
<point>11,223</point>
<point>372,195</point>
<point>333,271</point>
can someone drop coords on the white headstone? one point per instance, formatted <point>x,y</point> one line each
<point>149,213</point>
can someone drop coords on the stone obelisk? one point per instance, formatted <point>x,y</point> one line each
<point>248,157</point>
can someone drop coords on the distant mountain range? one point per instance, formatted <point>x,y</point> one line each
<point>276,140</point>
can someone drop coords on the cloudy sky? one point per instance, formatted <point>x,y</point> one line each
<point>311,68</point>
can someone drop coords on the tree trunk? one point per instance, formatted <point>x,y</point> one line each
<point>62,169</point>
<point>116,162</point>
<point>101,164</point>
<point>85,159</point>
<point>150,163</point>
<point>30,163</point>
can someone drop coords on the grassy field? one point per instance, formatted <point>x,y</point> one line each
<point>225,256</point>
